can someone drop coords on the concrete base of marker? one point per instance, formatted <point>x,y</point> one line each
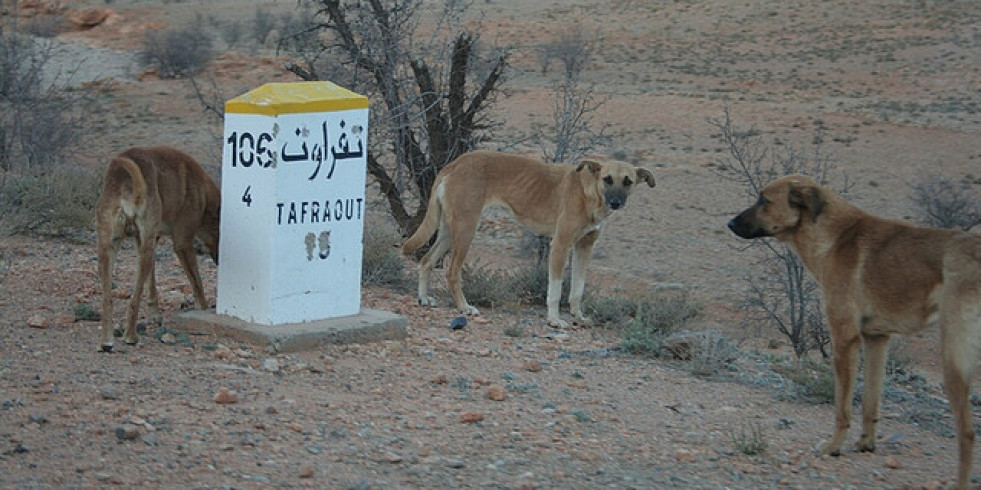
<point>368,326</point>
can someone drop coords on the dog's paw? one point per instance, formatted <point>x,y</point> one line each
<point>105,347</point>
<point>558,323</point>
<point>830,449</point>
<point>582,321</point>
<point>470,310</point>
<point>865,444</point>
<point>427,301</point>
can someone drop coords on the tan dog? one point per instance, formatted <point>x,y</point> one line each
<point>149,192</point>
<point>879,277</point>
<point>568,203</point>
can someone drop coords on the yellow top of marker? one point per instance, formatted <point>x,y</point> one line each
<point>273,99</point>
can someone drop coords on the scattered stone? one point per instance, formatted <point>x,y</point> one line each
<point>127,432</point>
<point>108,393</point>
<point>497,393</point>
<point>440,379</point>
<point>455,463</point>
<point>893,462</point>
<point>684,456</point>
<point>168,338</point>
<point>532,366</point>
<point>226,396</point>
<point>89,18</point>
<point>471,417</point>
<point>458,323</point>
<point>271,365</point>
<point>37,419</point>
<point>149,439</point>
<point>393,457</point>
<point>37,321</point>
<point>223,353</point>
<point>306,471</point>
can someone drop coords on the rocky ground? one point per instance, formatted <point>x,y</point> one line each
<point>506,401</point>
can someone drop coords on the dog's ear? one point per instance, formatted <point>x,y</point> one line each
<point>593,165</point>
<point>646,176</point>
<point>808,198</point>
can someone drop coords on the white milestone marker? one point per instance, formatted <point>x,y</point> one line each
<point>292,203</point>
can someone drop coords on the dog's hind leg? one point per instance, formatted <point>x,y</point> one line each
<point>875,370</point>
<point>465,227</point>
<point>108,246</point>
<point>581,256</point>
<point>961,327</point>
<point>153,299</point>
<point>144,268</point>
<point>440,247</point>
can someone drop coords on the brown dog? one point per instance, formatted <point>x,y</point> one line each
<point>149,192</point>
<point>568,203</point>
<point>879,277</point>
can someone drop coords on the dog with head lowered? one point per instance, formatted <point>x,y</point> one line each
<point>569,203</point>
<point>146,193</point>
<point>879,277</point>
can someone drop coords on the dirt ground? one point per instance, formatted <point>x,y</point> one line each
<point>508,402</point>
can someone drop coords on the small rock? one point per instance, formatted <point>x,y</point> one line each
<point>306,471</point>
<point>37,321</point>
<point>223,353</point>
<point>893,462</point>
<point>37,419</point>
<point>226,396</point>
<point>532,366</point>
<point>270,365</point>
<point>458,323</point>
<point>127,432</point>
<point>684,456</point>
<point>471,417</point>
<point>107,393</point>
<point>88,18</point>
<point>455,463</point>
<point>393,457</point>
<point>440,379</point>
<point>168,338</point>
<point>497,393</point>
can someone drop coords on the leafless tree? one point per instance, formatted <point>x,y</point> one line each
<point>942,202</point>
<point>572,133</point>
<point>781,292</point>
<point>430,92</point>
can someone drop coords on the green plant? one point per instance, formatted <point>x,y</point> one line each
<point>85,313</point>
<point>179,52</point>
<point>381,265</point>
<point>487,287</point>
<point>815,380</point>
<point>750,442</point>
<point>514,331</point>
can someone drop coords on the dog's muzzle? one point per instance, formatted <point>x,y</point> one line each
<point>616,199</point>
<point>743,227</point>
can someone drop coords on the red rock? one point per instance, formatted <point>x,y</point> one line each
<point>471,417</point>
<point>497,393</point>
<point>893,462</point>
<point>37,321</point>
<point>88,18</point>
<point>226,397</point>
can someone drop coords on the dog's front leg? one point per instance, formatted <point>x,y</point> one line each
<point>557,256</point>
<point>846,344</point>
<point>875,370</point>
<point>580,262</point>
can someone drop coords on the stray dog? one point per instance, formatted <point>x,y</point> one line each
<point>568,203</point>
<point>879,277</point>
<point>149,192</point>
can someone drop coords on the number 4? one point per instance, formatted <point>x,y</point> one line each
<point>247,197</point>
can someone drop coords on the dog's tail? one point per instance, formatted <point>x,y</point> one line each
<point>429,223</point>
<point>125,177</point>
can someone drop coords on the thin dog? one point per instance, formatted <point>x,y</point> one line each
<point>879,277</point>
<point>568,203</point>
<point>149,192</point>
